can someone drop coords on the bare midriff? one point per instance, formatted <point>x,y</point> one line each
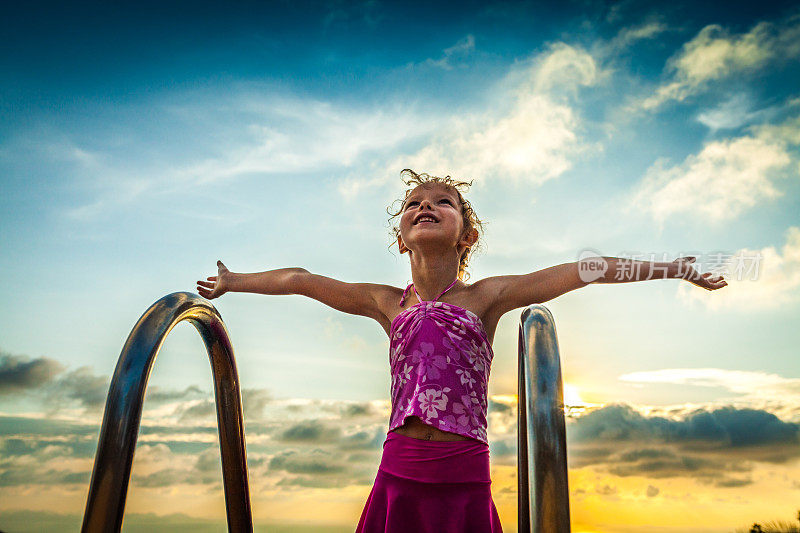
<point>417,429</point>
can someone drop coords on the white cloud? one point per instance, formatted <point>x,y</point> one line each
<point>454,55</point>
<point>715,54</point>
<point>561,68</point>
<point>785,132</point>
<point>748,387</point>
<point>627,36</point>
<point>725,179</point>
<point>731,113</point>
<point>288,135</point>
<point>532,133</point>
<point>776,283</point>
<point>532,143</point>
<point>254,133</point>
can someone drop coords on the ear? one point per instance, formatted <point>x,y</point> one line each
<point>400,245</point>
<point>470,238</point>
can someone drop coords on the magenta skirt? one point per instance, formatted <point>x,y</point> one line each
<point>431,487</point>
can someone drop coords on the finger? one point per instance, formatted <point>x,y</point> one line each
<point>212,278</point>
<point>206,284</point>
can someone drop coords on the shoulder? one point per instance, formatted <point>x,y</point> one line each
<point>387,300</point>
<point>386,294</point>
<point>489,297</point>
<point>486,292</point>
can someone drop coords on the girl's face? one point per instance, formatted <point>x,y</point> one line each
<point>439,203</point>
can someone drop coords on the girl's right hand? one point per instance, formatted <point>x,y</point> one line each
<point>218,284</point>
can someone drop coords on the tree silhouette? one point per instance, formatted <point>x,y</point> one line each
<point>775,526</point>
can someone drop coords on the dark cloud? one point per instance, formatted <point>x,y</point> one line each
<point>156,394</point>
<point>652,491</point>
<point>499,407</point>
<point>44,448</point>
<point>206,470</point>
<point>323,482</point>
<point>21,473</point>
<point>12,426</point>
<point>733,427</point>
<point>209,461</point>
<point>364,440</point>
<point>161,478</point>
<point>254,401</point>
<point>83,385</point>
<point>733,482</point>
<point>606,490</point>
<point>362,457</point>
<point>503,450</point>
<point>725,427</point>
<point>315,462</point>
<point>708,445</point>
<point>20,373</point>
<point>202,410</point>
<point>323,468</point>
<point>717,446</point>
<point>669,466</point>
<point>645,453</point>
<point>310,431</point>
<point>149,429</point>
<point>45,377</point>
<point>352,410</point>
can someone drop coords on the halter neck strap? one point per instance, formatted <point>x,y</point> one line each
<point>411,285</point>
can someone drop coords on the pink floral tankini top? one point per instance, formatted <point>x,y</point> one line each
<point>440,359</point>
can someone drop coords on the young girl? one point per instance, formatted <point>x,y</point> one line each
<point>434,471</point>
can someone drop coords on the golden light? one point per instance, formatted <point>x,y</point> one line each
<point>571,396</point>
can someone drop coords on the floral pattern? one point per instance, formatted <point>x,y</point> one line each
<point>440,360</point>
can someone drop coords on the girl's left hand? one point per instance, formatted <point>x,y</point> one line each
<point>707,281</point>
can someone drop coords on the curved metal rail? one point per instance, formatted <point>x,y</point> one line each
<point>541,428</point>
<point>112,466</point>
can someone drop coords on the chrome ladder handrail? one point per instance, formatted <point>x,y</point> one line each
<point>108,488</point>
<point>545,506</point>
<point>541,428</point>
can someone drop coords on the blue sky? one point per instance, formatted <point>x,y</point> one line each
<point>140,144</point>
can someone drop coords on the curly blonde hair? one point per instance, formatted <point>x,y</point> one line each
<point>471,220</point>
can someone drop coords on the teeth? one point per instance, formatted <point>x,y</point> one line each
<point>425,218</point>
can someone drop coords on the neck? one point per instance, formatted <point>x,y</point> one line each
<point>432,274</point>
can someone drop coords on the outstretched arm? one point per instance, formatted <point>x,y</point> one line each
<point>620,270</point>
<point>354,298</point>
<point>513,292</point>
